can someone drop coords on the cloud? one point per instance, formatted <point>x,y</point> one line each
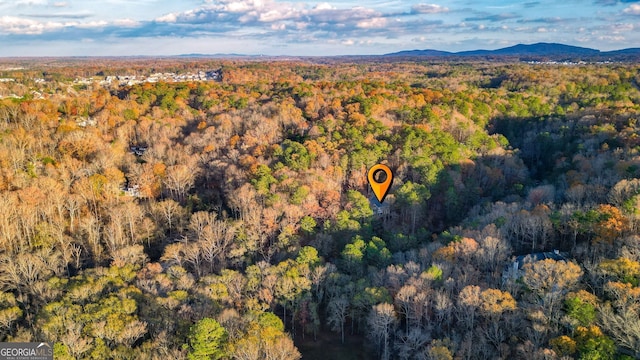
<point>126,23</point>
<point>612,38</point>
<point>242,11</point>
<point>344,16</point>
<point>18,25</point>
<point>31,2</point>
<point>613,2</point>
<point>168,18</point>
<point>494,17</point>
<point>374,23</point>
<point>620,28</point>
<point>60,15</point>
<point>266,17</point>
<point>546,20</point>
<point>428,9</point>
<point>324,6</point>
<point>280,23</point>
<point>236,19</point>
<point>92,25</point>
<point>634,9</point>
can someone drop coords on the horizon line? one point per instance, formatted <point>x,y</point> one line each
<point>236,55</point>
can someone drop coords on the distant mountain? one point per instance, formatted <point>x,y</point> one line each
<point>427,52</point>
<point>196,55</point>
<point>552,50</point>
<point>630,51</point>
<point>539,49</point>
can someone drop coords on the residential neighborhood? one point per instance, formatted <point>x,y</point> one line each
<point>212,75</point>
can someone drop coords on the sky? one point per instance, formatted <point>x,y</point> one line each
<point>306,28</point>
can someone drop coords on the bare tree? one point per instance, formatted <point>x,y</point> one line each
<point>493,253</point>
<point>168,212</point>
<point>337,314</point>
<point>381,321</point>
<point>92,229</point>
<point>623,191</point>
<point>76,342</point>
<point>404,302</point>
<point>443,307</point>
<point>212,236</point>
<point>529,230</point>
<point>72,204</point>
<point>409,345</point>
<point>624,327</point>
<point>468,304</point>
<point>178,180</point>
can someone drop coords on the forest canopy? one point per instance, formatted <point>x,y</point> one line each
<point>230,217</point>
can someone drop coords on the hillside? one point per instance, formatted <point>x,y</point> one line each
<point>186,215</point>
<point>538,50</point>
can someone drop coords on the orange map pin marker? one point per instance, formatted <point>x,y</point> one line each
<point>380,178</point>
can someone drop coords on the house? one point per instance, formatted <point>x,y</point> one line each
<point>378,207</point>
<point>138,150</point>
<point>215,75</point>
<point>86,121</point>
<point>129,189</point>
<point>133,191</point>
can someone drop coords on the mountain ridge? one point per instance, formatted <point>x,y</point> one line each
<point>541,49</point>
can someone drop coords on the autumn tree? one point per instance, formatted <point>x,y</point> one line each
<point>494,302</point>
<point>468,304</point>
<point>549,280</point>
<point>265,339</point>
